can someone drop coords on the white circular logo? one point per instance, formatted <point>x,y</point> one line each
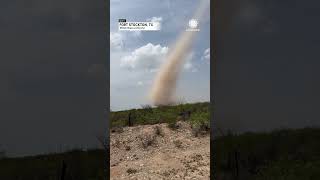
<point>193,23</point>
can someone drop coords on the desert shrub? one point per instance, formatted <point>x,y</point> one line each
<point>159,131</point>
<point>169,116</point>
<point>117,143</point>
<point>173,125</point>
<point>178,143</point>
<point>147,138</point>
<point>117,129</point>
<point>131,171</point>
<point>119,118</point>
<point>160,114</point>
<point>148,141</point>
<point>200,123</point>
<point>147,108</point>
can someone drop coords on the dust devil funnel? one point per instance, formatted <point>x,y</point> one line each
<point>165,82</point>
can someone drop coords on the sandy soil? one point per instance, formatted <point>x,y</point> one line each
<point>158,152</point>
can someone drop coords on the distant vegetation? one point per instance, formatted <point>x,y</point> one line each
<point>198,114</point>
<point>79,165</point>
<point>278,155</point>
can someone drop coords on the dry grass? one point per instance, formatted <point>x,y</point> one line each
<point>159,131</point>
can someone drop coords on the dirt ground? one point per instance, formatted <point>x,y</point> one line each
<point>158,152</point>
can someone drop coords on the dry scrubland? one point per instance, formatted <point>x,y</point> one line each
<point>167,142</point>
<point>159,152</point>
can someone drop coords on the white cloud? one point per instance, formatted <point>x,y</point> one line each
<point>155,19</point>
<point>116,41</point>
<point>147,57</point>
<point>206,55</point>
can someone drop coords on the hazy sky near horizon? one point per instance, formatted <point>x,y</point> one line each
<point>136,56</point>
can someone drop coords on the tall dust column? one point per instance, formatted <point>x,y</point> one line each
<point>165,82</point>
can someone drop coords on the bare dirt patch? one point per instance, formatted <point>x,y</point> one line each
<point>158,152</point>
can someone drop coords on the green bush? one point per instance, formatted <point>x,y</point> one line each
<point>200,122</point>
<point>161,114</point>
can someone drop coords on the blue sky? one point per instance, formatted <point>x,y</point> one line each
<point>135,57</point>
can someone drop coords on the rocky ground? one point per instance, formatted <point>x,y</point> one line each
<point>159,152</point>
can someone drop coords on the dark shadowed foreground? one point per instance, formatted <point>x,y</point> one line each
<point>73,165</point>
<point>278,155</point>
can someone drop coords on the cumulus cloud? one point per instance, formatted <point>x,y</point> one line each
<point>116,41</point>
<point>155,19</point>
<point>147,57</point>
